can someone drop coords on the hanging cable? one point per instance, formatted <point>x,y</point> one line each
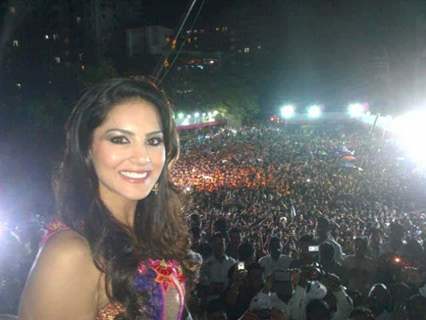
<point>188,12</point>
<point>182,44</point>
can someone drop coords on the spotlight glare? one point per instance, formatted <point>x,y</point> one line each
<point>314,111</point>
<point>410,131</point>
<point>288,111</point>
<point>356,110</point>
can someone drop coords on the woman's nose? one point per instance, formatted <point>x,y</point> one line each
<point>141,155</point>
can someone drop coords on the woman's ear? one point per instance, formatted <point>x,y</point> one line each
<point>88,158</point>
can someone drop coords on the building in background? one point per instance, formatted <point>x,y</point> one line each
<point>43,43</point>
<point>152,40</point>
<point>109,21</point>
<point>52,42</point>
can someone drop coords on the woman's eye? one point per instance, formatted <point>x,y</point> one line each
<point>119,140</point>
<point>155,141</point>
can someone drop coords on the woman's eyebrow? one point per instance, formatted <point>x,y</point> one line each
<point>131,133</point>
<point>121,131</point>
<point>153,133</point>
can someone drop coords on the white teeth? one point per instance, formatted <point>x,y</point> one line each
<point>134,175</point>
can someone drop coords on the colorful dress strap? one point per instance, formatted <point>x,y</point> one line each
<point>54,227</point>
<point>110,311</point>
<point>158,276</point>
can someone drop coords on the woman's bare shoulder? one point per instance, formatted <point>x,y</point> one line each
<point>66,244</point>
<point>63,281</point>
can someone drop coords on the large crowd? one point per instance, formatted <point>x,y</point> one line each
<point>302,223</point>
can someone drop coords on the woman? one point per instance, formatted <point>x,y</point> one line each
<point>118,248</point>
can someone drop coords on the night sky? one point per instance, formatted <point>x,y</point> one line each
<point>327,51</point>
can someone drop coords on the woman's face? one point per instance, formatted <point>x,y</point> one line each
<point>128,151</point>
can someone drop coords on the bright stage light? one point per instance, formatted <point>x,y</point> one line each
<point>288,111</point>
<point>356,110</point>
<point>181,115</point>
<point>410,131</point>
<point>196,114</point>
<point>314,111</point>
<point>2,229</point>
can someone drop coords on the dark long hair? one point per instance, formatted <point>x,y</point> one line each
<point>159,229</point>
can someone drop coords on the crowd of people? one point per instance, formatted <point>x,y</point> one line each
<point>306,223</point>
<point>302,223</point>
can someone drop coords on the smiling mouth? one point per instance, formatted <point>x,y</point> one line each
<point>135,175</point>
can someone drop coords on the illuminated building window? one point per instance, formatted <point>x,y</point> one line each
<point>58,59</point>
<point>259,47</point>
<point>246,50</point>
<point>217,29</point>
<point>19,85</point>
<point>78,20</point>
<point>55,36</point>
<point>12,10</point>
<point>15,43</point>
<point>46,36</point>
<point>83,67</point>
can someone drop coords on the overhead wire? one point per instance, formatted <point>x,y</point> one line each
<point>176,37</point>
<point>183,43</point>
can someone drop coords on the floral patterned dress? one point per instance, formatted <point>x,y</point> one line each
<point>164,279</point>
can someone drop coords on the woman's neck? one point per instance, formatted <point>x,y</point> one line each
<point>122,209</point>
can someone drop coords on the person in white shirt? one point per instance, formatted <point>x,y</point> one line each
<point>275,260</point>
<point>324,227</point>
<point>215,269</point>
<point>307,300</point>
